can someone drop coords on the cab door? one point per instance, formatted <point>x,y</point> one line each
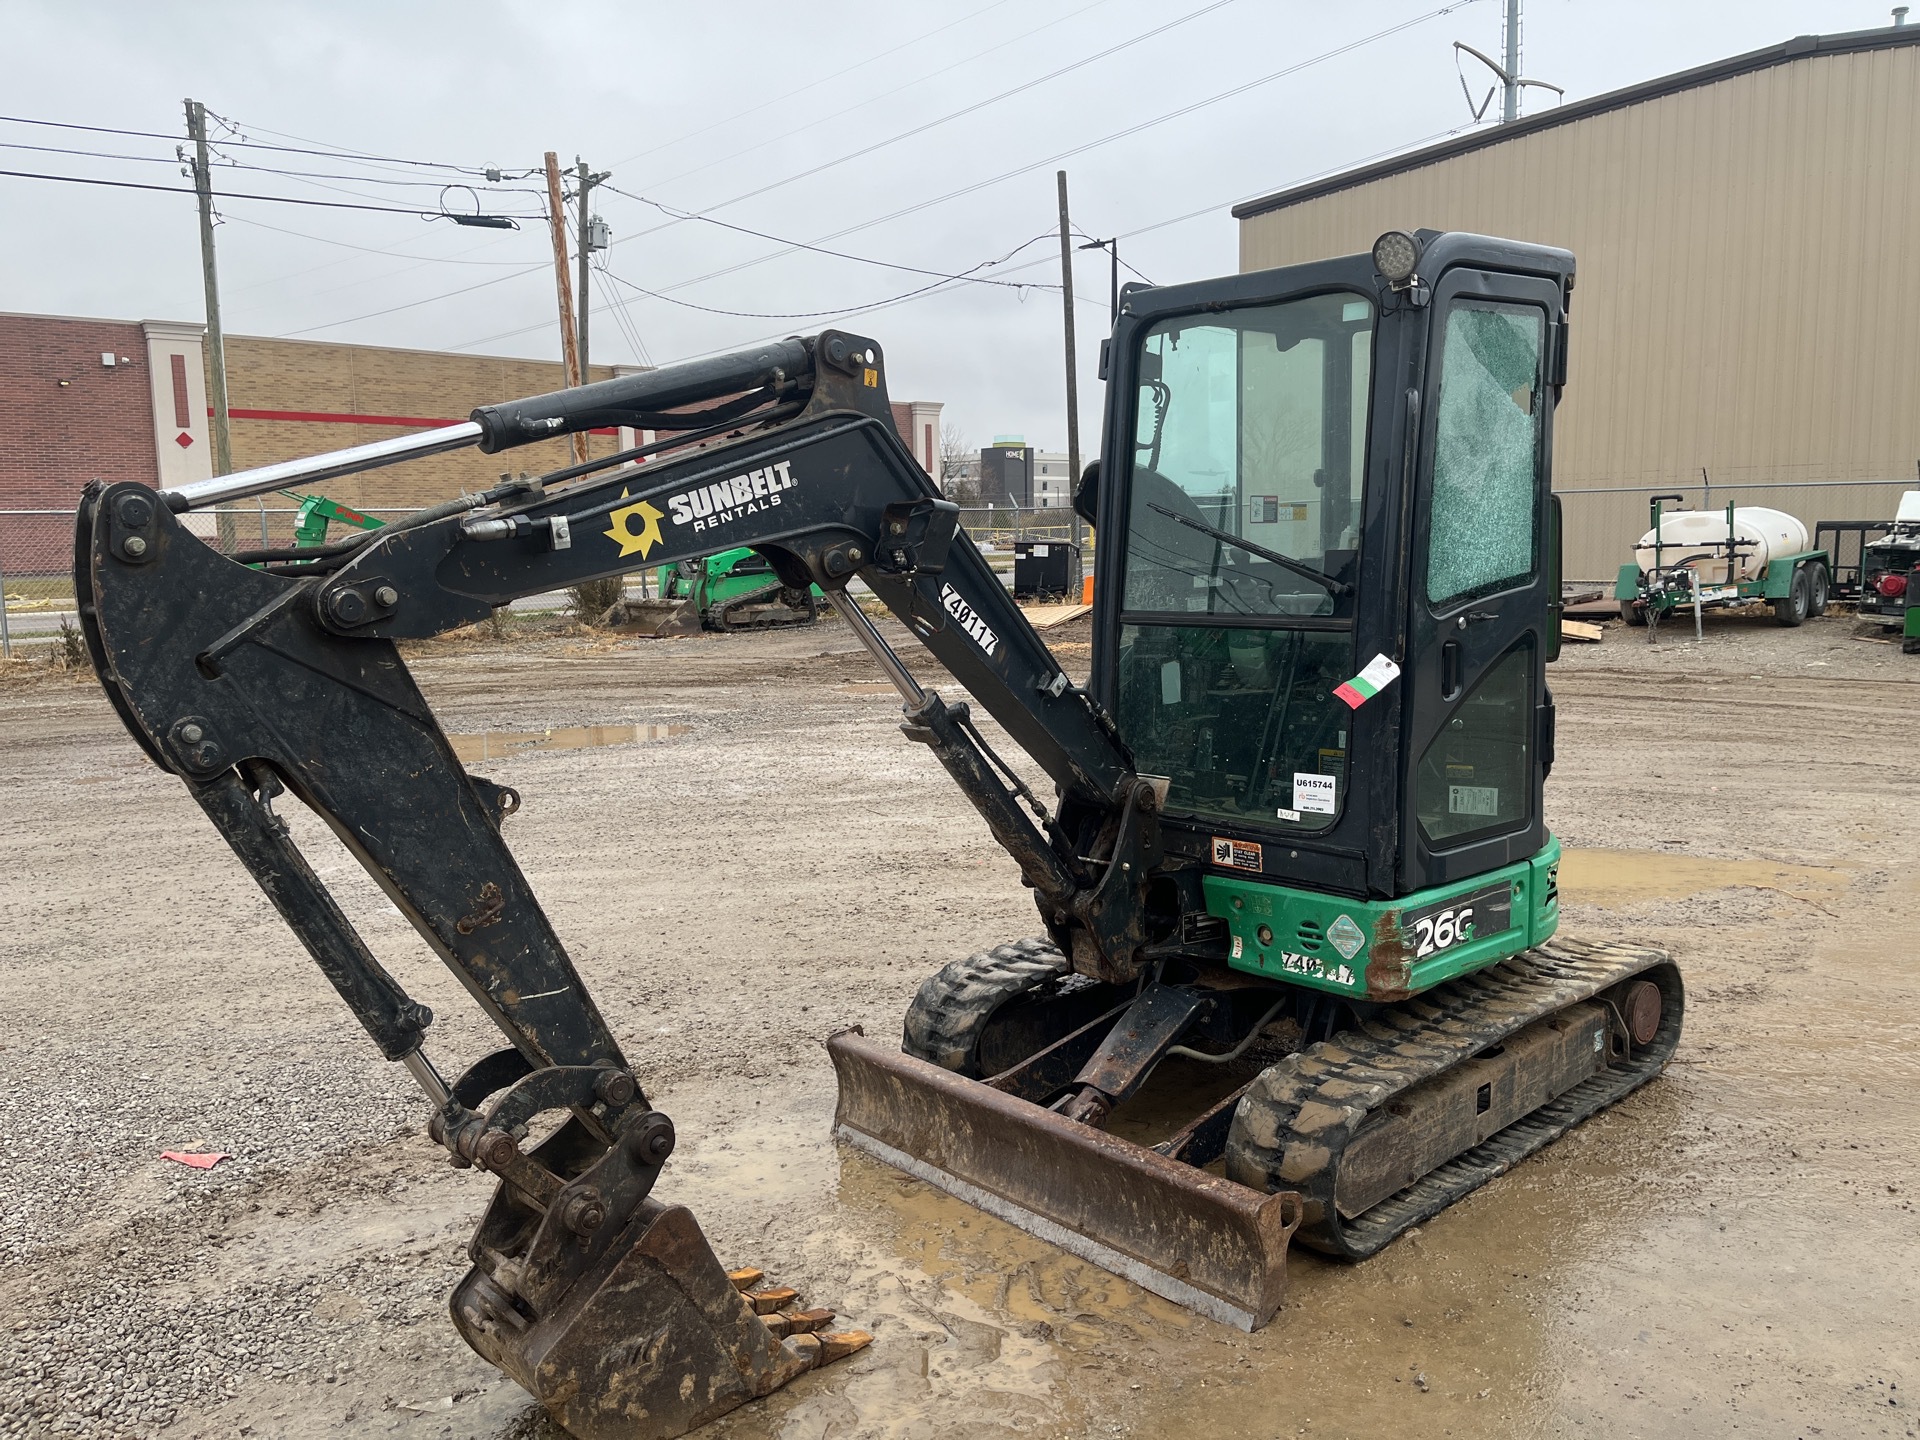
<point>1477,717</point>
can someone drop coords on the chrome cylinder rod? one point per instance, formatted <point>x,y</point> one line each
<point>243,483</point>
<point>876,646</point>
<point>428,1078</point>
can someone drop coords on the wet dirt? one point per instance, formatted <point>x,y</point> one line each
<point>1733,1250</point>
<point>1616,877</point>
<point>499,744</point>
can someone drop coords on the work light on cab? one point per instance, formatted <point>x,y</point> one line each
<point>1395,254</point>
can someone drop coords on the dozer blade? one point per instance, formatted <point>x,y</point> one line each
<point>656,619</point>
<point>1199,1240</point>
<point>652,1338</point>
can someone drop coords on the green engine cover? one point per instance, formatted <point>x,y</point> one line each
<point>1388,950</point>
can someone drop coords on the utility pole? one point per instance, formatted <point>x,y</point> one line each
<point>1510,100</point>
<point>216,342</point>
<point>1073,368</point>
<point>563,284</point>
<point>1112,247</point>
<point>592,236</point>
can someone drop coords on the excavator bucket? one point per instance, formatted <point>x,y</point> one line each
<point>1195,1238</point>
<point>652,1339</point>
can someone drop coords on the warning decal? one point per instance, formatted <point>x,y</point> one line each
<point>1237,854</point>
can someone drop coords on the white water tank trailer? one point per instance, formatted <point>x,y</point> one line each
<point>1704,559</point>
<point>1760,535</point>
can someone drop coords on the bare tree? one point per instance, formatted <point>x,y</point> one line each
<point>959,466</point>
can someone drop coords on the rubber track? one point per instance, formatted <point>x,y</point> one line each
<point>723,617</point>
<point>1278,1142</point>
<point>953,1005</point>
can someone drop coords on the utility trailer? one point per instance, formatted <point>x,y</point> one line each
<point>1846,543</point>
<point>1890,574</point>
<point>1798,585</point>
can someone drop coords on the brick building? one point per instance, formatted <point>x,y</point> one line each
<point>124,400</point>
<point>918,422</point>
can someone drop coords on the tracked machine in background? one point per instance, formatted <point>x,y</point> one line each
<point>1295,844</point>
<point>737,590</point>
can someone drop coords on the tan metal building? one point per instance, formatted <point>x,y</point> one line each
<point>1746,301</point>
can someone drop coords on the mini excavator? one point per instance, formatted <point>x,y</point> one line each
<point>1295,843</point>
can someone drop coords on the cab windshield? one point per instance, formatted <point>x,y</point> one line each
<point>1249,425</point>
<point>1242,550</point>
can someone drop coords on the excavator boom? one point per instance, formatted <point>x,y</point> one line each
<point>254,683</point>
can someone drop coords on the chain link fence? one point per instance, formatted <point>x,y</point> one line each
<point>36,557</point>
<point>36,562</point>
<point>36,545</point>
<point>999,526</point>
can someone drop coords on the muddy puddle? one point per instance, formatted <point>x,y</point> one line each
<point>499,744</point>
<point>1616,877</point>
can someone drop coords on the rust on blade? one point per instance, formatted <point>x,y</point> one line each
<point>1197,1239</point>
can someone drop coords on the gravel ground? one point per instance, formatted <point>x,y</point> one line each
<point>1733,1250</point>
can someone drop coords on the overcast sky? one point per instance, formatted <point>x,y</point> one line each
<point>723,109</point>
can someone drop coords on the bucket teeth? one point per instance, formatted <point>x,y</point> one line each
<point>831,1346</point>
<point>797,1322</point>
<point>747,1278</point>
<point>772,1299</point>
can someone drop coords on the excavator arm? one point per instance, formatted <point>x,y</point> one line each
<point>251,681</point>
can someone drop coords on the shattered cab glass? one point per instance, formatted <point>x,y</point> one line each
<point>1486,452</point>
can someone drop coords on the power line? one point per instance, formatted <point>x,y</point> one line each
<point>365,249</point>
<point>439,182</point>
<point>616,304</point>
<point>336,153</point>
<point>803,245</point>
<point>875,305</point>
<point>348,152</point>
<point>805,314</point>
<point>964,110</point>
<point>815,83</point>
<point>90,154</point>
<point>1213,209</point>
<point>1121,134</point>
<point>885,94</point>
<point>230,194</point>
<point>413,304</point>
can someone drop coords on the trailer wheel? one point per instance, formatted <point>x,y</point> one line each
<point>1822,589</point>
<point>1631,612</point>
<point>1791,609</point>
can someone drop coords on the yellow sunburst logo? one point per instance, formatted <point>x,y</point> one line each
<point>622,533</point>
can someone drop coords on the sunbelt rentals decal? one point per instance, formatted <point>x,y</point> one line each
<point>968,620</point>
<point>703,508</point>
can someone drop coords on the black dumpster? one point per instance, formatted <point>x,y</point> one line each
<point>1044,569</point>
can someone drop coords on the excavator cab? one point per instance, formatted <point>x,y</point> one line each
<point>1328,595</point>
<point>1291,831</point>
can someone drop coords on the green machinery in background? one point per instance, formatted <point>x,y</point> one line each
<point>738,590</point>
<point>317,512</point>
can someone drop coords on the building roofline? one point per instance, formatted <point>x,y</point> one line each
<point>288,340</point>
<point>1799,48</point>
